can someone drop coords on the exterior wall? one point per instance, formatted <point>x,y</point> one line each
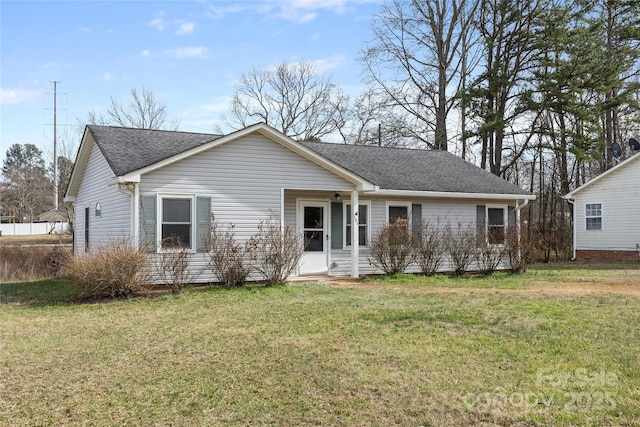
<point>437,211</point>
<point>620,197</point>
<point>607,256</point>
<point>245,180</point>
<point>115,221</point>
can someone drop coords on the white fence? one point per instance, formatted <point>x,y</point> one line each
<point>34,228</point>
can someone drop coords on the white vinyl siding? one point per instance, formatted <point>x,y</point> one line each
<point>615,194</point>
<point>439,212</point>
<point>114,221</point>
<point>245,179</point>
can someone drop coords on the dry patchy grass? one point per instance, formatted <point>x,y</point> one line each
<point>390,352</point>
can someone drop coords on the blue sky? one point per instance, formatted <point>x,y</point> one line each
<point>189,53</point>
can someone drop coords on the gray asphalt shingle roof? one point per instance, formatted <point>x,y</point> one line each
<point>127,150</point>
<point>414,170</point>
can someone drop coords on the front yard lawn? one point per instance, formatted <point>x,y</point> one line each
<point>555,346</point>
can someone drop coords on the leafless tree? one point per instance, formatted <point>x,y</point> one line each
<point>291,97</point>
<point>141,111</point>
<point>415,59</point>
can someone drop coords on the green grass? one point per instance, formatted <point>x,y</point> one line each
<point>396,351</point>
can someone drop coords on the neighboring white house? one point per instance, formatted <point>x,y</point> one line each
<point>144,185</point>
<point>606,214</point>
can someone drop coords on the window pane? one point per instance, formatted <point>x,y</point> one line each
<point>348,207</point>
<point>396,213</point>
<point>594,223</point>
<point>176,210</point>
<point>594,209</point>
<point>496,216</point>
<point>312,217</point>
<point>314,241</point>
<point>362,235</point>
<point>348,235</point>
<point>177,231</point>
<point>362,214</point>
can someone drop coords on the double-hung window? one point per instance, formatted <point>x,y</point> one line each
<point>496,225</point>
<point>177,222</point>
<point>593,216</point>
<point>363,224</point>
<point>398,213</point>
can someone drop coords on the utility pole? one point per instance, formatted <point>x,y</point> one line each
<point>55,147</point>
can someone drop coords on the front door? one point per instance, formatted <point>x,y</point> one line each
<point>313,218</point>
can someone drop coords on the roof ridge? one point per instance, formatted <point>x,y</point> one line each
<point>372,146</point>
<point>153,130</point>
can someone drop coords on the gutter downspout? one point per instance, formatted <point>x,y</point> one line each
<point>573,209</point>
<point>133,190</point>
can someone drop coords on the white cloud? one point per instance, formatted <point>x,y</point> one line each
<point>188,52</point>
<point>186,28</point>
<point>145,53</point>
<point>327,64</point>
<point>158,22</point>
<point>107,76</point>
<point>19,96</point>
<point>300,11</point>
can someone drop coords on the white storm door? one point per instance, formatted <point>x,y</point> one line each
<point>313,219</point>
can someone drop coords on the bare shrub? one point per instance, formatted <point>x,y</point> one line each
<point>274,250</point>
<point>56,259</point>
<point>227,259</point>
<point>429,247</point>
<point>392,248</point>
<point>460,244</point>
<point>173,264</point>
<point>25,263</point>
<point>115,269</point>
<point>519,250</point>
<point>489,257</point>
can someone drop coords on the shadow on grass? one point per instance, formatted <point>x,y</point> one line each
<point>59,290</point>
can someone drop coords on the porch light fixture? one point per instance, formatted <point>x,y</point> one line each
<point>337,196</point>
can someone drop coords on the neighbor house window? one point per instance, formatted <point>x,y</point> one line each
<point>594,216</point>
<point>496,225</point>
<point>398,213</point>
<point>176,228</point>
<point>363,224</point>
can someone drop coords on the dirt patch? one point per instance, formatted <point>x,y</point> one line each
<point>572,287</point>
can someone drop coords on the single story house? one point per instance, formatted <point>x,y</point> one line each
<point>144,184</point>
<point>605,214</point>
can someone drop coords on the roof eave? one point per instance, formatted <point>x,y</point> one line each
<point>454,195</point>
<point>82,158</point>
